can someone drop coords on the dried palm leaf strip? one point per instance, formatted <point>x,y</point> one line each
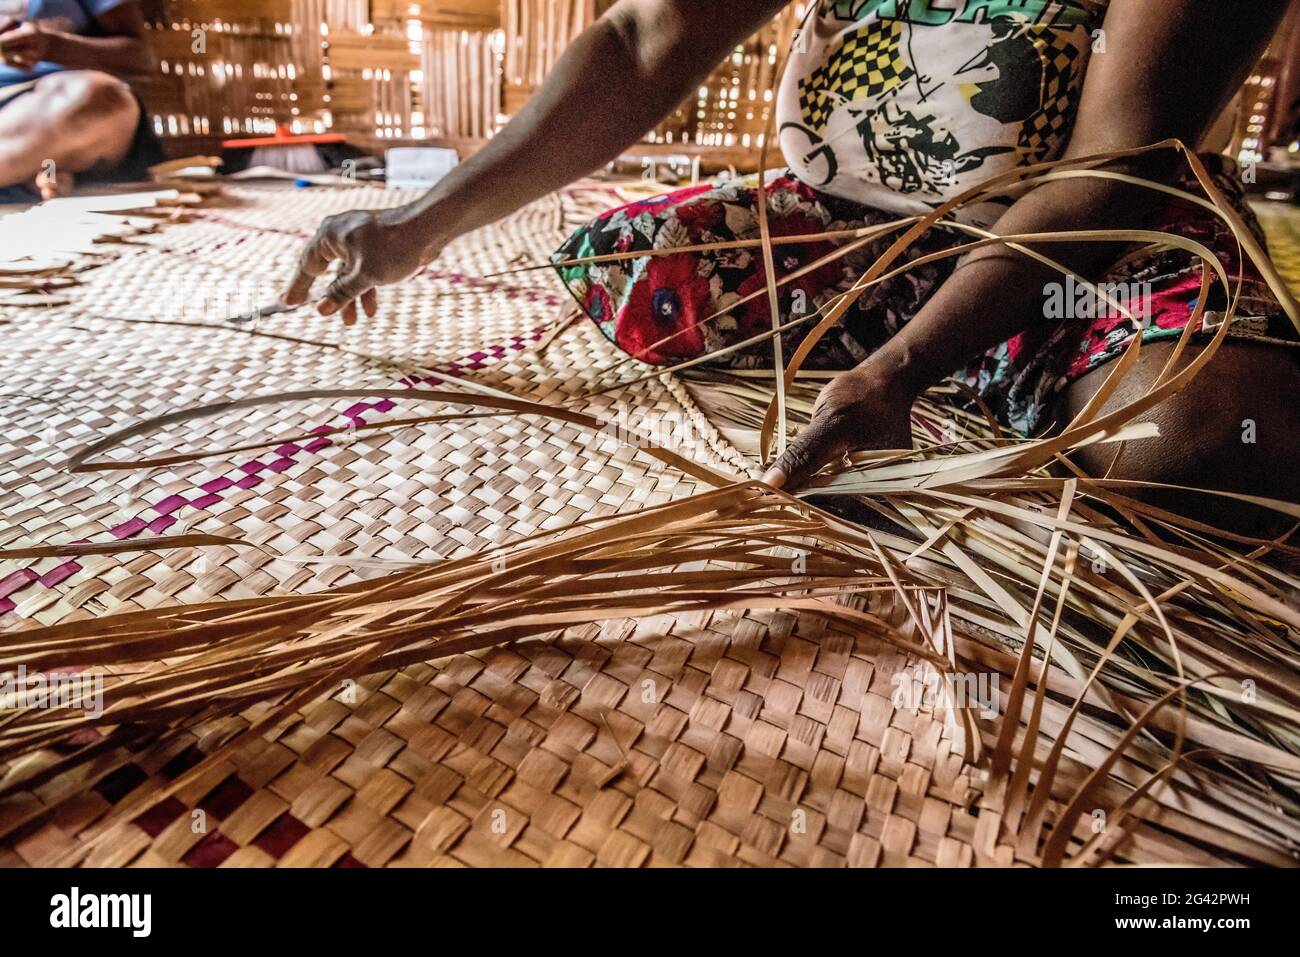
<point>970,505</point>
<point>531,615</point>
<point>158,543</point>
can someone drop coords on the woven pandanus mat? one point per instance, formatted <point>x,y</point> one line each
<point>1281,222</point>
<point>705,739</point>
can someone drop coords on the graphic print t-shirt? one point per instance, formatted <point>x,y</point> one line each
<point>902,104</point>
<point>67,16</point>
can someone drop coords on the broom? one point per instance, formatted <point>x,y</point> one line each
<point>299,154</point>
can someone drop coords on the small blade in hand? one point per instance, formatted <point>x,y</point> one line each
<point>261,312</point>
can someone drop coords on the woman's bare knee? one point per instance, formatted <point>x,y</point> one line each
<point>1233,428</point>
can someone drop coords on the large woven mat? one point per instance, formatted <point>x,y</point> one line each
<point>702,740</point>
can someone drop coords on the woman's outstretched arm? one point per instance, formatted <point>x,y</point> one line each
<point>615,82</point>
<point>1167,70</point>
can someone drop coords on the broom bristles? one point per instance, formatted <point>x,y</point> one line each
<point>300,159</point>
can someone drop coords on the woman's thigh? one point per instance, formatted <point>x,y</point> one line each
<point>1234,427</point>
<point>685,302</point>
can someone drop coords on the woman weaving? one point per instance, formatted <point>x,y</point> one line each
<point>888,108</point>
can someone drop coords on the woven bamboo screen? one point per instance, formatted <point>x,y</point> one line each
<point>371,81</point>
<point>460,86</point>
<point>536,33</point>
<point>417,71</point>
<point>230,67</point>
<point>385,71</point>
<point>727,115</point>
<point>382,70</point>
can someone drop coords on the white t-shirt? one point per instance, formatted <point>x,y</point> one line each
<point>902,104</point>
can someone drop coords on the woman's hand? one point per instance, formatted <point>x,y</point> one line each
<point>373,248</point>
<point>857,410</point>
<point>631,68</point>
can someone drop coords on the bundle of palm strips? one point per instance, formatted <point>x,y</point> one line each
<point>1149,661</point>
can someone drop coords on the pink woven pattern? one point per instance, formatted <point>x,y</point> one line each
<point>281,459</point>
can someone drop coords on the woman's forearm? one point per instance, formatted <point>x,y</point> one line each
<point>615,82</point>
<point>123,56</point>
<point>1134,94</point>
<point>996,293</point>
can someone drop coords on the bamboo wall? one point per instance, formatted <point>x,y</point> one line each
<point>389,71</point>
<point>535,33</point>
<point>725,120</point>
<point>441,71</point>
<point>230,67</point>
<point>378,70</point>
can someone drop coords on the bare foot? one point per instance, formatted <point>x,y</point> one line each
<point>52,187</point>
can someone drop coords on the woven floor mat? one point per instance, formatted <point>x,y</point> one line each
<point>704,740</point>
<point>1281,224</point>
<point>79,372</point>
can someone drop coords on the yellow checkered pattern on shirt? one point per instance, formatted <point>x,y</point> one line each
<point>866,64</point>
<point>1043,130</point>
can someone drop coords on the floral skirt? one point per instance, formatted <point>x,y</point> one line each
<point>669,308</point>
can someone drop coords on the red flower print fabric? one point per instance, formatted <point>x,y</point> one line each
<point>676,306</point>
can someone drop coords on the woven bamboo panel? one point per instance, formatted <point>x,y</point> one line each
<point>536,34</point>
<point>235,67</point>
<point>370,80</point>
<point>460,88</point>
<point>428,71</point>
<point>730,110</point>
<point>232,67</point>
<point>703,739</point>
<point>442,14</point>
<point>347,15</point>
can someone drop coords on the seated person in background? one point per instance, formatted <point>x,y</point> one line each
<point>64,108</point>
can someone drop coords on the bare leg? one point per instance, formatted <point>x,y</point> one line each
<point>1235,427</point>
<point>61,183</point>
<point>79,119</point>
